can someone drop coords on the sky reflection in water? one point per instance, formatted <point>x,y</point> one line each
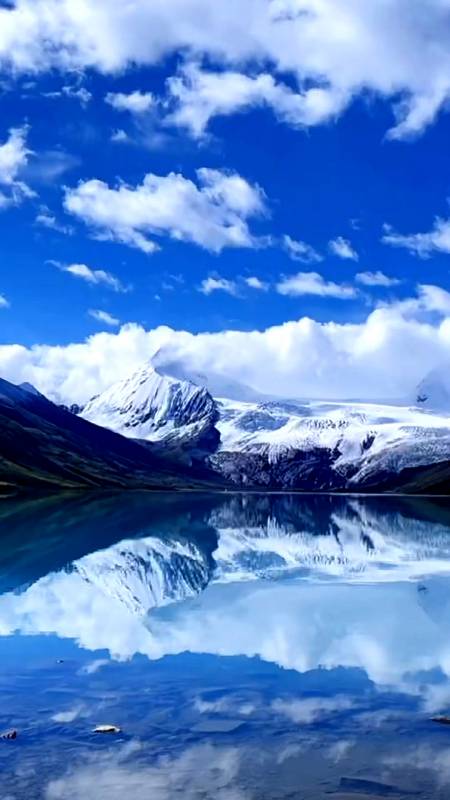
<point>248,647</point>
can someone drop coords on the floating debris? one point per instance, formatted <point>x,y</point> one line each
<point>107,729</point>
<point>9,735</point>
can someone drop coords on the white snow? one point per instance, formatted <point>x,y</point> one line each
<point>151,406</point>
<point>171,404</point>
<point>362,432</point>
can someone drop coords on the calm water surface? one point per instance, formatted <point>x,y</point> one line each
<point>247,647</point>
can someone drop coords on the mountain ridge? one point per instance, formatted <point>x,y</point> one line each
<point>177,434</point>
<point>43,446</point>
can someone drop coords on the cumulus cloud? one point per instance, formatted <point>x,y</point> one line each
<point>377,278</point>
<point>136,102</point>
<point>315,284</point>
<point>342,248</point>
<point>300,251</point>
<point>104,317</point>
<point>218,284</point>
<point>335,50</point>
<point>253,282</point>
<point>422,244</point>
<point>4,303</point>
<point>198,95</point>
<point>212,213</point>
<point>389,352</point>
<point>95,277</point>
<point>14,155</point>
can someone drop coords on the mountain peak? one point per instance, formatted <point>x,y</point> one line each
<point>157,408</point>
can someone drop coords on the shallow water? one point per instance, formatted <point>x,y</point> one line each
<point>246,646</point>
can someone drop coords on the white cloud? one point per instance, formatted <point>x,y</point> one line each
<point>422,244</point>
<point>94,666</point>
<point>377,278</point>
<point>431,759</point>
<point>339,50</point>
<point>218,284</point>
<point>211,213</point>
<point>198,95</point>
<point>120,772</point>
<point>436,698</point>
<point>342,248</point>
<point>120,135</point>
<point>310,709</point>
<point>104,316</point>
<point>96,277</point>
<point>136,102</point>
<point>336,752</point>
<point>48,220</point>
<point>307,358</point>
<point>49,166</point>
<point>300,251</point>
<point>314,284</point>
<point>14,155</point>
<point>70,715</point>
<point>254,282</point>
<point>4,303</point>
<point>79,93</point>
<point>433,298</point>
<point>224,705</point>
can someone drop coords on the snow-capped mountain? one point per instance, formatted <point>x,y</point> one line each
<point>254,441</point>
<point>163,594</point>
<point>322,445</point>
<point>158,408</point>
<point>355,543</point>
<point>146,573</point>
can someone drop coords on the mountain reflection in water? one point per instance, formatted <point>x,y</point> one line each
<point>247,646</point>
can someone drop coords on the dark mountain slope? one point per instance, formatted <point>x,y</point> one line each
<point>44,446</point>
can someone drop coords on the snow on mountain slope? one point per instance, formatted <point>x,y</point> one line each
<point>159,595</point>
<point>255,440</point>
<point>360,435</point>
<point>157,408</point>
<point>144,573</point>
<point>357,544</point>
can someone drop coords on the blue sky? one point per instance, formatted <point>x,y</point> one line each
<point>342,179</point>
<point>276,165</point>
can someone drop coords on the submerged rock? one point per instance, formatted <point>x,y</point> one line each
<point>107,729</point>
<point>12,734</point>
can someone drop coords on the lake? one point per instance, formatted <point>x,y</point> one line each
<point>243,646</point>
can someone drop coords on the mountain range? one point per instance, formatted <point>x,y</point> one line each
<point>167,427</point>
